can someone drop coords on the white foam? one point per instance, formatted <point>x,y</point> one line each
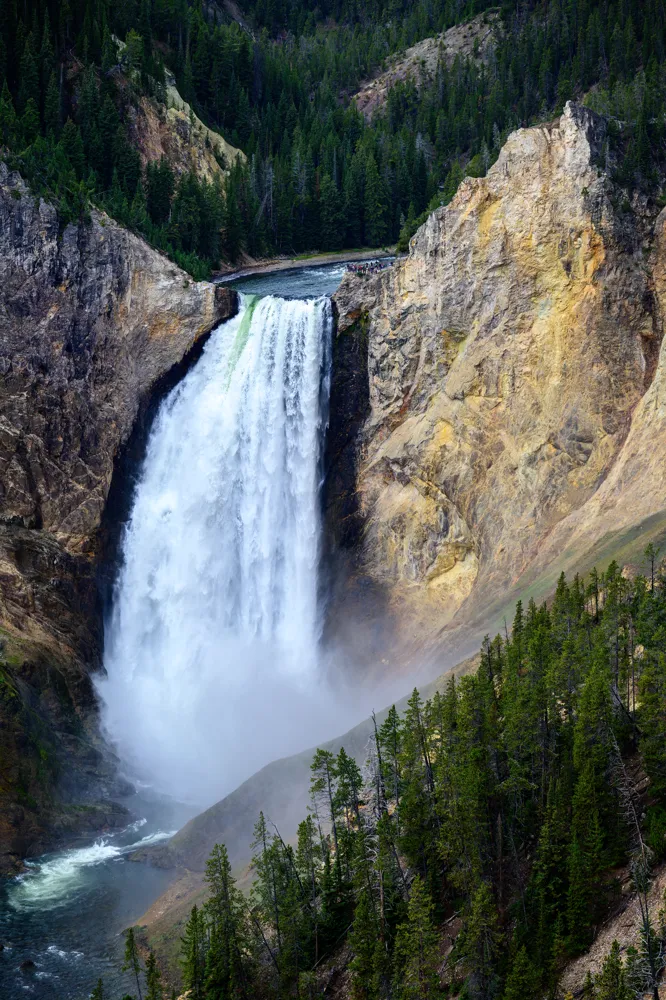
<point>150,838</point>
<point>136,826</point>
<point>53,950</point>
<point>56,880</point>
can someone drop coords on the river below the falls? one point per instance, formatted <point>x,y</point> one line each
<point>61,922</point>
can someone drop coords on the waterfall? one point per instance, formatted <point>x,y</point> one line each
<point>215,620</point>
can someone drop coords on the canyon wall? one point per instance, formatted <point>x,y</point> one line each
<point>514,387</point>
<point>94,324</point>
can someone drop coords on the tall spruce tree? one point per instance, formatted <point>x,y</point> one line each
<point>132,961</point>
<point>416,948</point>
<point>193,954</point>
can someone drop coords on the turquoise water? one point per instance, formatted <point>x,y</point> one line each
<point>66,914</point>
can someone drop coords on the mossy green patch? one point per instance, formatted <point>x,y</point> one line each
<point>240,341</point>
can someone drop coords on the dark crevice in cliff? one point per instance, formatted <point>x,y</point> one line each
<point>356,622</point>
<point>349,409</point>
<point>127,469</point>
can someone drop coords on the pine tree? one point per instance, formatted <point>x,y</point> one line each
<point>266,863</point>
<point>376,205</point>
<point>52,108</point>
<point>71,144</point>
<point>98,992</point>
<point>46,55</point>
<point>523,981</point>
<point>364,942</point>
<point>611,983</point>
<point>132,962</point>
<point>308,864</point>
<point>354,192</point>
<point>29,89</point>
<point>193,954</point>
<point>416,949</point>
<point>390,742</point>
<point>579,903</point>
<point>9,126</point>
<point>651,553</point>
<point>109,51</point>
<point>154,988</point>
<point>323,785</point>
<point>331,212</point>
<point>407,230</point>
<point>652,719</point>
<point>30,123</point>
<point>481,940</point>
<point>226,974</point>
<point>138,210</point>
<point>160,186</point>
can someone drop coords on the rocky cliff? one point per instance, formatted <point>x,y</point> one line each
<point>514,388</point>
<point>93,325</point>
<point>172,130</point>
<point>475,39</point>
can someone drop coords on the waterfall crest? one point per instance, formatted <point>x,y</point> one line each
<point>216,605</point>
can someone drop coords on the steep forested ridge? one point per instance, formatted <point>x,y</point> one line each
<point>487,835</point>
<point>317,175</point>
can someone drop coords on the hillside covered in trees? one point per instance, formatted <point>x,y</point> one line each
<point>317,176</point>
<point>485,838</point>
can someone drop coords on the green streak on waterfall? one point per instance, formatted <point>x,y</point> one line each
<point>241,338</point>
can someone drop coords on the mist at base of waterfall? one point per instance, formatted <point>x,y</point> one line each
<point>243,712</point>
<point>212,649</point>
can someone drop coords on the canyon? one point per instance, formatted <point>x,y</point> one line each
<point>497,416</point>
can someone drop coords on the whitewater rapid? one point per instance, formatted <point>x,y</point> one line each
<point>59,880</point>
<point>215,625</point>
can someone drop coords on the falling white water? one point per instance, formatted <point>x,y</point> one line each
<point>212,643</point>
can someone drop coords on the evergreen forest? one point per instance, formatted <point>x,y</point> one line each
<point>485,838</point>
<point>316,174</point>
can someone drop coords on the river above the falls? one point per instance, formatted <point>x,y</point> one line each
<point>294,283</point>
<point>66,914</point>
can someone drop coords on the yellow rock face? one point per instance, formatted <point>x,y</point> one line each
<point>508,354</point>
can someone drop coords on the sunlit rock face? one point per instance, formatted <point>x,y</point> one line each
<point>506,354</point>
<point>92,323</point>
